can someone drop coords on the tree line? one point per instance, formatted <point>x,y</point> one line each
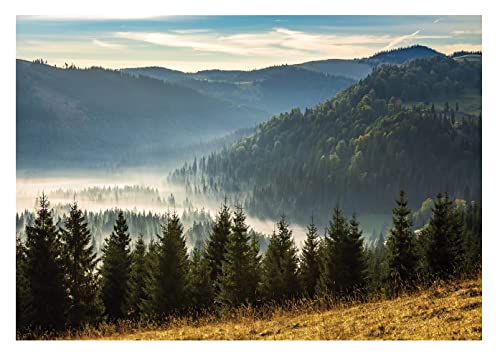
<point>60,282</point>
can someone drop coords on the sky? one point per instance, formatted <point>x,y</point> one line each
<point>192,43</point>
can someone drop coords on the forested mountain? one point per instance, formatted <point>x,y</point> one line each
<point>97,117</point>
<point>271,90</point>
<point>360,68</point>
<point>415,127</point>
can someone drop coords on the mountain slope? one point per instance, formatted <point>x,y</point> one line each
<point>360,148</point>
<point>97,116</point>
<point>445,311</point>
<point>271,90</point>
<point>360,68</point>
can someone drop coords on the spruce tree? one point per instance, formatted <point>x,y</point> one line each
<point>235,285</point>
<point>23,292</point>
<point>280,265</point>
<point>254,279</point>
<point>199,283</point>
<point>138,275</point>
<point>445,248</point>
<point>148,306</point>
<point>309,261</point>
<point>115,270</point>
<point>331,256</point>
<point>219,238</point>
<point>171,283</point>
<point>80,265</point>
<point>356,259</point>
<point>45,271</point>
<point>343,268</point>
<point>401,245</point>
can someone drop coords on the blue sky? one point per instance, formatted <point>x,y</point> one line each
<point>233,42</point>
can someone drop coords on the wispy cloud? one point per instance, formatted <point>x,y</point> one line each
<point>437,20</point>
<point>278,41</point>
<point>400,39</point>
<point>468,32</point>
<point>104,44</point>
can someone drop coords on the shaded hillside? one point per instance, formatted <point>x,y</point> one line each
<point>100,117</point>
<point>361,147</point>
<point>270,90</point>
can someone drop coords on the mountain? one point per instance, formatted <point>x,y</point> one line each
<point>100,117</point>
<point>360,68</point>
<point>415,127</point>
<point>271,90</point>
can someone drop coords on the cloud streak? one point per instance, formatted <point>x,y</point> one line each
<point>104,44</point>
<point>278,41</point>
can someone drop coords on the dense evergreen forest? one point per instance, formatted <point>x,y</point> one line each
<point>62,283</point>
<point>415,127</point>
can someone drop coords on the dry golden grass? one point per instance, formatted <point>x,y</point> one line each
<point>445,311</point>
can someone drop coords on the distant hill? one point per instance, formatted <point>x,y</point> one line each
<point>401,55</point>
<point>271,90</point>
<point>95,116</point>
<point>360,68</point>
<point>414,127</point>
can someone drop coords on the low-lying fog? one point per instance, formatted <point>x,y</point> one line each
<point>63,189</point>
<point>143,190</point>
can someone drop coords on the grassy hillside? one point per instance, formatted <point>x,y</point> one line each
<point>445,311</point>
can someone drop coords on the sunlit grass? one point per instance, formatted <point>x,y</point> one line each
<point>445,311</point>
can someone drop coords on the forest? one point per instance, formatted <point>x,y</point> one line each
<point>415,127</point>
<point>152,280</point>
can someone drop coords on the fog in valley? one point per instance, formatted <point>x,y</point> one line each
<point>139,191</point>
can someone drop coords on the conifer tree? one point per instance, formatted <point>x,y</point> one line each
<point>23,292</point>
<point>355,261</point>
<point>148,307</point>
<point>445,249</point>
<point>199,283</point>
<point>171,283</point>
<point>138,275</point>
<point>235,285</point>
<point>254,279</point>
<point>343,269</point>
<point>80,265</point>
<point>45,271</point>
<point>401,245</point>
<point>280,265</point>
<point>330,279</point>
<point>309,261</point>
<point>115,270</point>
<point>219,238</point>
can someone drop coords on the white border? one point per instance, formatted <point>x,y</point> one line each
<point>251,351</point>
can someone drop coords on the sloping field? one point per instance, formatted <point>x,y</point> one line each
<point>443,312</point>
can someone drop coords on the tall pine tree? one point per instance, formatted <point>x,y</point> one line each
<point>343,268</point>
<point>45,271</point>
<point>236,284</point>
<point>356,259</point>
<point>309,261</point>
<point>115,270</point>
<point>199,283</point>
<point>171,283</point>
<point>444,232</point>
<point>219,238</point>
<point>81,275</point>
<point>138,274</point>
<point>23,291</point>
<point>401,245</point>
<point>280,265</point>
